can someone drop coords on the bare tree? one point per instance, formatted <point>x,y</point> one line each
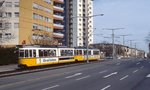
<point>4,25</point>
<point>42,38</point>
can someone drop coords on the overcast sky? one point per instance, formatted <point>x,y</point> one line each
<point>132,15</point>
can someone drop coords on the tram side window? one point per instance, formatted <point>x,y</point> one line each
<point>45,53</point>
<point>70,53</point>
<point>34,53</point>
<point>85,52</point>
<point>52,52</point>
<point>75,52</point>
<point>89,53</point>
<point>62,53</point>
<point>66,52</point>
<point>21,53</point>
<point>41,53</point>
<point>26,53</point>
<point>30,53</point>
<point>96,52</point>
<point>79,52</point>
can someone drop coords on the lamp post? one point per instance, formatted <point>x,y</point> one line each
<point>87,37</point>
<point>113,41</point>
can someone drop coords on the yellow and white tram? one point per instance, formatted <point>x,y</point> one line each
<point>31,56</point>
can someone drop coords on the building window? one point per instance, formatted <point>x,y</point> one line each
<point>1,25</point>
<point>8,14</point>
<point>41,17</point>
<point>35,16</point>
<point>8,35</point>
<point>7,25</point>
<point>16,14</point>
<point>8,4</point>
<point>48,1</point>
<point>0,35</point>
<point>1,14</point>
<point>16,4</point>
<point>39,7</point>
<point>16,25</point>
<point>35,26</point>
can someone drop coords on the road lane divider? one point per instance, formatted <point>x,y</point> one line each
<point>135,71</point>
<point>106,87</point>
<point>124,77</point>
<point>110,74</point>
<point>51,87</point>
<point>141,67</point>
<point>138,63</point>
<point>77,74</point>
<point>83,77</point>
<point>118,64</point>
<point>103,71</point>
<point>148,76</point>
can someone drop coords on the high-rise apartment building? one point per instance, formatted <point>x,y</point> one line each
<point>9,22</point>
<point>79,24</point>
<point>31,22</point>
<point>59,21</point>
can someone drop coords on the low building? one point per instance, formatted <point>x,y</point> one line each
<point>120,50</point>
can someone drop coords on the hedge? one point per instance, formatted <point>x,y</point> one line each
<point>8,56</point>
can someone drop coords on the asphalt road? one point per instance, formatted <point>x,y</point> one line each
<point>107,75</point>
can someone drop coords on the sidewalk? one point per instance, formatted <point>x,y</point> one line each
<point>11,67</point>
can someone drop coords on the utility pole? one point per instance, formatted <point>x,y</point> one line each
<point>113,41</point>
<point>123,43</point>
<point>131,41</point>
<point>135,51</point>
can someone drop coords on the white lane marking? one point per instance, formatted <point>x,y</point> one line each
<point>110,74</point>
<point>148,76</point>
<point>51,87</point>
<point>135,71</point>
<point>118,64</point>
<point>124,77</point>
<point>103,71</point>
<point>137,63</point>
<point>106,87</point>
<point>142,67</point>
<point>83,77</point>
<point>77,74</point>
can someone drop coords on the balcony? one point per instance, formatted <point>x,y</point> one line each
<point>59,1</point>
<point>59,9</point>
<point>58,17</point>
<point>58,35</point>
<point>58,26</point>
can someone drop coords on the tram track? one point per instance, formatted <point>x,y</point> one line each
<point>42,68</point>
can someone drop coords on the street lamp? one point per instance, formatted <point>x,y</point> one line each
<point>113,36</point>
<point>87,42</point>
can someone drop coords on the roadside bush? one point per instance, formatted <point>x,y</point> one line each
<point>7,56</point>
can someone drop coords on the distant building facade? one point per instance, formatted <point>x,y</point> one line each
<point>120,50</point>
